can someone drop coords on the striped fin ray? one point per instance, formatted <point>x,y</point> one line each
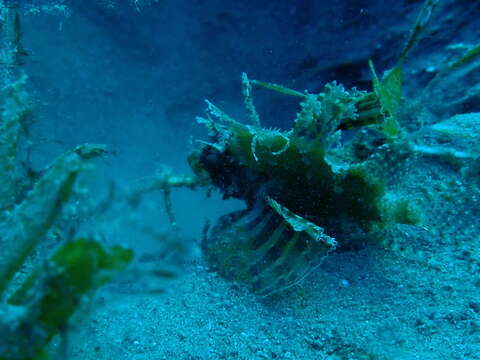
<point>268,248</point>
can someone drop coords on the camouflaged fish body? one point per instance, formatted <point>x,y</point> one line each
<point>305,189</point>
